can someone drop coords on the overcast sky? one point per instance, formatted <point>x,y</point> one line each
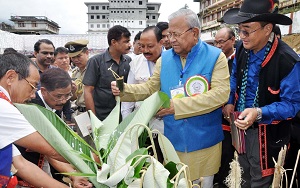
<point>71,15</point>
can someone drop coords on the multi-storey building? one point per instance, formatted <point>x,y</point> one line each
<point>211,12</point>
<point>134,15</point>
<point>34,25</point>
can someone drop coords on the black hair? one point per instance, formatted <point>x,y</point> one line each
<point>156,30</point>
<point>137,36</point>
<point>9,50</point>
<point>61,50</point>
<point>117,32</point>
<point>55,78</point>
<point>15,61</point>
<point>277,31</point>
<point>162,26</point>
<point>39,42</point>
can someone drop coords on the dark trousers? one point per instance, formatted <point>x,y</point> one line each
<point>250,162</point>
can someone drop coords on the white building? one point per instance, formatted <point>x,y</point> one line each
<point>134,15</point>
<point>40,25</point>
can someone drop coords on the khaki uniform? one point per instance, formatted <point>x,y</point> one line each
<point>80,89</point>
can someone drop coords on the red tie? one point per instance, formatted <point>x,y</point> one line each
<point>3,96</point>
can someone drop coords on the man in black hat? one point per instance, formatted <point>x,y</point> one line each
<point>264,88</point>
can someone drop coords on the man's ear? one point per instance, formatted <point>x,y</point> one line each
<point>196,32</point>
<point>11,76</point>
<point>113,42</point>
<point>43,91</point>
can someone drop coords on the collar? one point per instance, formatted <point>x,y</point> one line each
<point>46,105</point>
<point>231,57</point>
<point>108,58</point>
<point>5,92</point>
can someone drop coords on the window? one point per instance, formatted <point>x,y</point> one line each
<point>103,25</point>
<point>98,17</point>
<point>97,7</point>
<point>103,7</point>
<point>140,12</point>
<point>140,2</point>
<point>107,25</point>
<point>92,25</point>
<point>132,1</point>
<point>151,8</point>
<point>141,22</point>
<point>125,11</point>
<point>33,24</point>
<point>92,16</point>
<point>132,11</point>
<point>147,17</point>
<point>103,16</point>
<point>21,24</point>
<point>153,17</point>
<point>98,25</point>
<point>92,7</point>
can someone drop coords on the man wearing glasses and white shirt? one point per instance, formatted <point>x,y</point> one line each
<point>55,91</point>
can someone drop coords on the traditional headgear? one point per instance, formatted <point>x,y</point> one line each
<point>75,47</point>
<point>256,11</point>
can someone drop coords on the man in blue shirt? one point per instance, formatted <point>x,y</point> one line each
<point>264,88</point>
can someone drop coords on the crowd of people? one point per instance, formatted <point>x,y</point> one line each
<point>257,76</point>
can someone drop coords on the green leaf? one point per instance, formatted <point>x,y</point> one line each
<point>135,157</point>
<point>60,137</point>
<point>167,149</point>
<point>148,109</point>
<point>172,168</point>
<point>141,151</point>
<point>156,175</point>
<point>109,125</point>
<point>79,174</point>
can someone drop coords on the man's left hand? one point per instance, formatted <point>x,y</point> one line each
<point>165,111</point>
<point>246,118</point>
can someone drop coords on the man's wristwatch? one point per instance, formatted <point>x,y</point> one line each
<point>259,115</point>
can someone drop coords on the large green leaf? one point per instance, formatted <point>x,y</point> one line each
<point>110,123</point>
<point>149,108</point>
<point>167,149</point>
<point>60,137</point>
<point>156,175</point>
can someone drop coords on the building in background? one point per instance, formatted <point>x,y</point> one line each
<point>135,15</point>
<point>212,11</point>
<point>38,25</point>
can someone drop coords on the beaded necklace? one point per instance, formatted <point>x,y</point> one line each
<point>242,97</point>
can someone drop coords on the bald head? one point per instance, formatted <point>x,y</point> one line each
<point>225,39</point>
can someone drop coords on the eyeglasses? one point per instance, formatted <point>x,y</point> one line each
<point>34,89</point>
<point>247,33</point>
<point>176,35</point>
<point>221,42</point>
<point>60,98</point>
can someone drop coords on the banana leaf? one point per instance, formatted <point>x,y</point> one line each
<point>62,138</point>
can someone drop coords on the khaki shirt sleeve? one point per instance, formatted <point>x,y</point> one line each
<point>139,92</point>
<point>212,99</point>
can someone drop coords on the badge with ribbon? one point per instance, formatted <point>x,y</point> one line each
<point>196,85</point>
